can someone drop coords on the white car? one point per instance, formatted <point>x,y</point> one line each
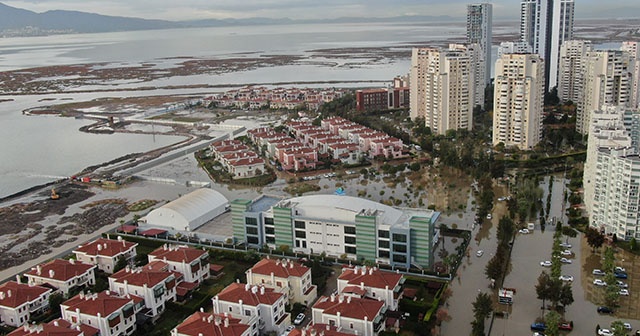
<point>566,278</point>
<point>489,216</point>
<point>624,292</point>
<point>565,245</point>
<point>565,260</point>
<point>479,253</point>
<point>627,326</point>
<point>598,272</point>
<point>599,282</point>
<point>619,269</point>
<point>299,319</point>
<point>621,284</point>
<point>566,253</point>
<point>605,332</point>
<point>545,263</point>
<point>524,231</point>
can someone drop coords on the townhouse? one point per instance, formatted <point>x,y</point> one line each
<point>285,276</point>
<point>63,275</point>
<point>208,324</point>
<point>373,283</point>
<point>263,309</point>
<point>105,253</point>
<point>361,316</point>
<point>57,327</point>
<point>156,287</point>
<point>192,263</point>
<point>111,314</point>
<point>19,302</point>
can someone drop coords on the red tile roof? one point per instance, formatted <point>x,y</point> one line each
<point>372,277</point>
<point>58,327</point>
<point>280,268</point>
<point>141,276</point>
<point>207,324</point>
<point>178,253</point>
<point>250,295</point>
<point>103,303</point>
<point>153,232</point>
<point>246,162</point>
<point>319,329</point>
<point>355,290</point>
<point>107,247</point>
<point>61,270</point>
<point>13,294</point>
<point>350,307</point>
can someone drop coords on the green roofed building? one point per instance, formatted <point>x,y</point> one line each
<point>338,225</point>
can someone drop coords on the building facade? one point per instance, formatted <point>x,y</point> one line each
<point>63,275</point>
<point>480,32</point>
<point>372,283</point>
<point>192,263</point>
<point>443,87</point>
<point>57,327</point>
<point>105,253</point>
<point>632,48</point>
<point>518,100</point>
<point>360,316</point>
<point>285,276</point>
<point>340,226</point>
<point>19,302</point>
<point>570,70</point>
<point>207,324</point>
<point>155,287</point>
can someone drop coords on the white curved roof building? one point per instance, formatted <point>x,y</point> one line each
<point>342,226</point>
<point>190,211</point>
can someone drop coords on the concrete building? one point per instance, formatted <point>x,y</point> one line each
<point>607,81</point>
<point>111,314</point>
<point>480,32</point>
<point>341,226</point>
<point>382,99</point>
<point>105,253</point>
<point>207,324</point>
<point>57,327</point>
<point>188,212</point>
<point>63,275</point>
<point>20,302</point>
<point>284,276</point>
<point>442,87</point>
<point>545,25</point>
<point>155,287</point>
<point>511,47</point>
<point>632,48</point>
<point>518,100</point>
<point>571,70</point>
<point>259,307</point>
<point>192,263</point>
<point>362,316</point>
<point>372,283</point>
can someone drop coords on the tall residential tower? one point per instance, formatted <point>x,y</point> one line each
<point>479,31</point>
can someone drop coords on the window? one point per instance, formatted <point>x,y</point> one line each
<point>383,243</point>
<point>268,221</point>
<point>252,230</point>
<point>349,240</point>
<point>399,248</point>
<point>299,224</point>
<point>247,312</point>
<point>383,254</point>
<point>270,240</point>
<point>301,234</point>
<point>269,230</point>
<point>252,240</point>
<point>350,230</point>
<point>383,234</point>
<point>230,309</point>
<point>399,238</point>
<point>400,258</point>
<point>251,221</point>
<point>350,249</point>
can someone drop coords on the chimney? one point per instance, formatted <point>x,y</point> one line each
<point>361,285</point>
<point>202,309</point>
<point>105,246</point>
<point>341,299</point>
<point>52,273</point>
<point>2,296</point>
<point>18,279</point>
<point>99,247</point>
<point>72,261</point>
<point>247,287</point>
<point>81,295</point>
<point>333,298</point>
<point>55,323</point>
<point>349,299</point>
<point>262,290</point>
<point>370,271</point>
<point>291,265</point>
<point>254,289</point>
<point>108,292</point>
<point>226,322</point>
<point>364,270</point>
<point>39,270</point>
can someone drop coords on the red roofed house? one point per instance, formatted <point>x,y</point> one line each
<point>319,330</point>
<point>247,167</point>
<point>63,275</point>
<point>261,308</point>
<point>192,263</point>
<point>154,286</point>
<point>18,302</point>
<point>111,314</point>
<point>57,327</point>
<point>105,253</point>
<point>361,316</point>
<point>372,283</point>
<point>288,277</point>
<point>207,324</point>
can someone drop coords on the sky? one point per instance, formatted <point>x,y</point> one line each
<point>178,10</point>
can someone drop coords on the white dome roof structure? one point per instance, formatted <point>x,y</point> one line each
<point>189,211</point>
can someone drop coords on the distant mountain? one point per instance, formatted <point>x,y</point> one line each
<point>80,22</point>
<point>267,21</point>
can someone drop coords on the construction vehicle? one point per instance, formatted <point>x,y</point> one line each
<point>54,195</point>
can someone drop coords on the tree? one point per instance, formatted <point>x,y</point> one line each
<point>120,264</point>
<point>566,295</point>
<point>552,320</point>
<point>55,300</point>
<point>477,328</point>
<point>493,269</point>
<point>569,232</point>
<point>442,315</point>
<point>633,244</point>
<point>595,239</point>
<point>608,262</point>
<point>482,306</point>
<point>617,327</point>
<point>543,288</point>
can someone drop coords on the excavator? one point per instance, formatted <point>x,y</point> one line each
<point>54,195</point>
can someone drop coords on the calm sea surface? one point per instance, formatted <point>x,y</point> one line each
<point>34,150</point>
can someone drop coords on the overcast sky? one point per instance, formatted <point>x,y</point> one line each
<point>308,9</point>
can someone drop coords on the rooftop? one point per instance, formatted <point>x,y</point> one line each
<point>57,327</point>
<point>103,303</point>
<point>14,295</point>
<point>105,247</point>
<point>371,277</point>
<point>250,295</point>
<point>145,275</point>
<point>61,270</point>
<point>177,253</point>
<point>207,324</point>
<point>351,307</point>
<point>280,268</point>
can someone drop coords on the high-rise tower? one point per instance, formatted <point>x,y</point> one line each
<point>479,31</point>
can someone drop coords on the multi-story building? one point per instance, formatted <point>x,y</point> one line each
<point>63,275</point>
<point>19,302</point>
<point>632,48</point>
<point>156,287</point>
<point>57,327</point>
<point>545,25</point>
<point>105,253</point>
<point>361,316</point>
<point>372,283</point>
<point>320,329</point>
<point>607,81</point>
<point>510,47</point>
<point>382,99</point>
<point>263,309</point>
<point>518,100</point>
<point>442,87</point>
<point>342,226</point>
<point>287,277</point>
<point>480,32</point>
<point>207,324</point>
<point>192,263</point>
<point>113,315</point>
<point>570,70</point>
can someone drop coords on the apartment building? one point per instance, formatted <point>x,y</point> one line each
<point>480,33</point>
<point>345,226</point>
<point>63,275</point>
<point>571,70</point>
<point>105,253</point>
<point>285,276</point>
<point>518,100</point>
<point>57,327</point>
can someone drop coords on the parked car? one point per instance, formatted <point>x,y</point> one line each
<point>620,275</point>
<point>565,245</point>
<point>524,231</point>
<point>545,263</point>
<point>619,269</point>
<point>566,253</point>
<point>565,260</point>
<point>566,278</point>
<point>299,319</point>
<point>627,326</point>
<point>289,329</point>
<point>479,253</point>
<point>567,325</point>
<point>621,284</point>
<point>624,292</point>
<point>605,310</point>
<point>489,216</point>
<point>598,272</point>
<point>538,326</point>
<point>599,282</point>
<point>605,332</point>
